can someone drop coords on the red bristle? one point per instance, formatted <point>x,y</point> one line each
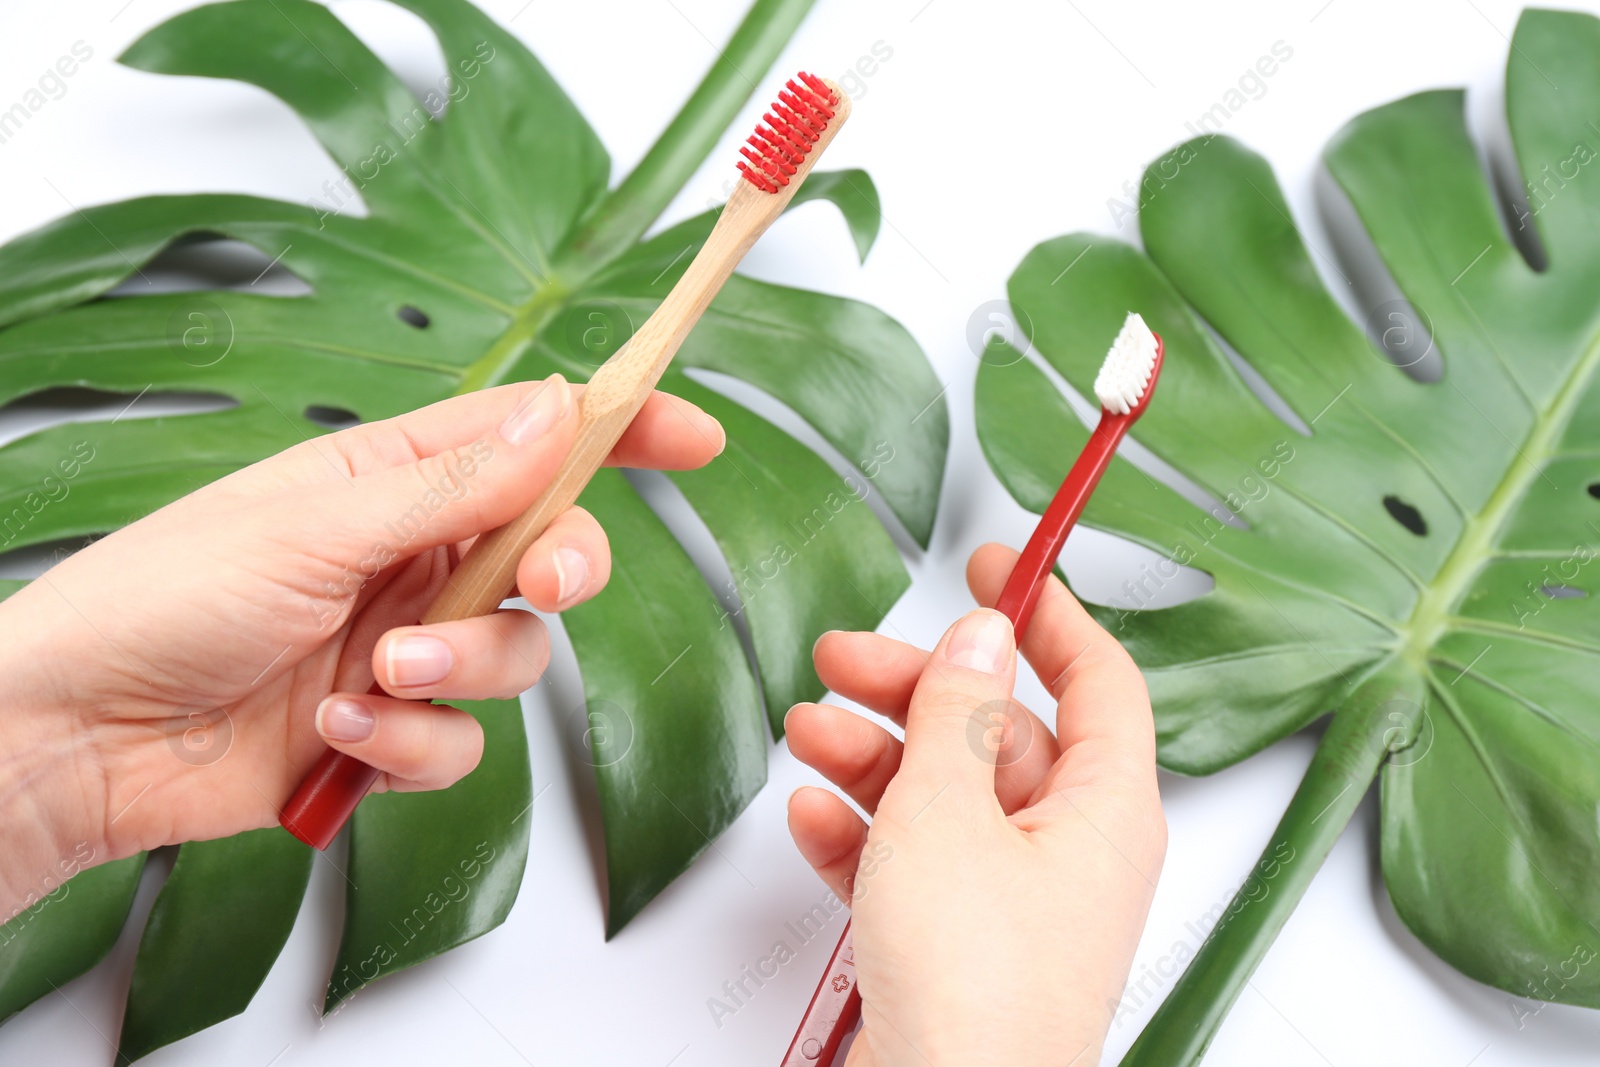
<point>765,165</point>
<point>771,170</point>
<point>756,179</point>
<point>811,98</point>
<point>797,129</point>
<point>817,103</point>
<point>779,145</point>
<point>797,121</point>
<point>804,112</point>
<point>788,160</point>
<point>788,135</point>
<point>820,87</point>
<point>778,125</point>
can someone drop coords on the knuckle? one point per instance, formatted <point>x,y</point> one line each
<point>1097,766</point>
<point>1106,662</point>
<point>439,752</point>
<point>1104,654</point>
<point>1142,822</point>
<point>408,753</point>
<point>875,757</point>
<point>526,651</point>
<point>1145,834</point>
<point>1157,839</point>
<point>357,449</point>
<point>446,478</point>
<point>1127,775</point>
<point>945,707</point>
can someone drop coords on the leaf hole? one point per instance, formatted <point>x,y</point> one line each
<point>1139,580</point>
<point>1517,211</point>
<point>204,262</point>
<point>1562,592</point>
<point>61,404</point>
<point>331,417</point>
<point>1405,515</point>
<point>28,561</point>
<point>1400,333</point>
<point>790,422</point>
<point>411,51</point>
<point>1594,490</point>
<point>1257,383</point>
<point>413,317</point>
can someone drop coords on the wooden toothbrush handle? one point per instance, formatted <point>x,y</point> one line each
<point>328,795</point>
<point>488,574</point>
<point>326,798</point>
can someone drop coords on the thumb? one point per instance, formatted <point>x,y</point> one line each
<point>478,467</point>
<point>961,700</point>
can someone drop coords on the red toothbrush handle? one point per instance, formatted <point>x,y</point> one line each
<point>1021,593</point>
<point>832,1013</point>
<point>328,795</point>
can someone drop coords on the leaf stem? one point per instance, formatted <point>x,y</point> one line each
<point>1481,534</point>
<point>624,215</point>
<point>1382,715</point>
<point>495,365</point>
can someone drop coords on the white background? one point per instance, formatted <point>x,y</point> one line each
<point>993,126</point>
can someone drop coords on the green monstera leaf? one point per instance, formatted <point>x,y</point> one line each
<point>61,933</point>
<point>1416,556</point>
<point>486,247</point>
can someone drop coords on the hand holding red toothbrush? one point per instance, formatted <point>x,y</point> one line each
<point>1124,386</point>
<point>1007,888</point>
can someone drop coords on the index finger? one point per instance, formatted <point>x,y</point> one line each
<point>668,433</point>
<point>1100,693</point>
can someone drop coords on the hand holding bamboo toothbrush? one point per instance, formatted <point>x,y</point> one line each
<point>1126,381</point>
<point>778,157</point>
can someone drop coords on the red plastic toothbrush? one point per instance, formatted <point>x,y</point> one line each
<point>1124,385</point>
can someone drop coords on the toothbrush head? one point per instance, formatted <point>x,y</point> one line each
<point>1128,376</point>
<point>779,148</point>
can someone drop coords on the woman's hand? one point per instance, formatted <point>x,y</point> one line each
<point>175,680</point>
<point>1000,890</point>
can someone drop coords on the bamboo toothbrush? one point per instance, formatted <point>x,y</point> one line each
<point>1124,385</point>
<point>777,158</point>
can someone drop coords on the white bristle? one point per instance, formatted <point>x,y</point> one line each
<point>1125,374</point>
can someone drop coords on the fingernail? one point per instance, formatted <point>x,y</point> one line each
<point>572,576</point>
<point>343,719</point>
<point>702,422</point>
<point>417,659</point>
<point>713,429</point>
<point>982,642</point>
<point>538,413</point>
